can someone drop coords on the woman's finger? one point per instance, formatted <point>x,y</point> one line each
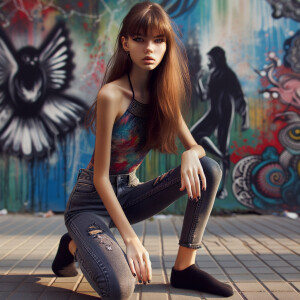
<point>193,185</point>
<point>203,178</point>
<point>182,184</point>
<point>148,267</point>
<point>138,270</point>
<point>197,183</point>
<point>143,270</point>
<point>131,266</point>
<point>187,185</point>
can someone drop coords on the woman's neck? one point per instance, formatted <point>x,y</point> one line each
<point>139,79</point>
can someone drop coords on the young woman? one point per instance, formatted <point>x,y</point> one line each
<point>138,108</point>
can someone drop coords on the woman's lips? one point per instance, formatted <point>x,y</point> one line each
<point>148,60</point>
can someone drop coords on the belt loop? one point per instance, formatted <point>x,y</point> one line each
<point>117,184</point>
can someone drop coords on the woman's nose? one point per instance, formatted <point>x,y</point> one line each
<point>149,47</point>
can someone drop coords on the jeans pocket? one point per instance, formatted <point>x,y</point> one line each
<point>85,188</point>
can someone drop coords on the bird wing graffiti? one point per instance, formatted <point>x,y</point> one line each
<point>33,108</point>
<point>8,64</point>
<point>56,58</point>
<point>8,67</point>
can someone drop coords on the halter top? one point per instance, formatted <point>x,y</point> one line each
<point>128,138</point>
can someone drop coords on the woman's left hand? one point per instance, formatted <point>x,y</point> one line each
<point>190,170</point>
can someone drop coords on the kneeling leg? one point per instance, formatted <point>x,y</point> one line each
<point>100,257</point>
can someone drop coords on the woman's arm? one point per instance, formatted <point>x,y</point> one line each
<point>108,103</point>
<point>190,164</point>
<point>107,110</point>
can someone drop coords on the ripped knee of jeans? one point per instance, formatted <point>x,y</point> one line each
<point>164,177</point>
<point>94,229</point>
<point>96,232</point>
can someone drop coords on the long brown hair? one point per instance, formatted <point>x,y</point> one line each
<point>169,83</point>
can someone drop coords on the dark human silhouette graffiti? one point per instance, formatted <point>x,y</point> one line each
<point>226,98</point>
<point>34,113</point>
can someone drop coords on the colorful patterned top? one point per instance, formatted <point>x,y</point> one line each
<point>128,138</point>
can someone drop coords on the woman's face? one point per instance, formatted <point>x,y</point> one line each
<point>146,52</point>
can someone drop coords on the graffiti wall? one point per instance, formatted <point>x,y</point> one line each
<point>245,68</point>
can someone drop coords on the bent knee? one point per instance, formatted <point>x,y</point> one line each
<point>211,168</point>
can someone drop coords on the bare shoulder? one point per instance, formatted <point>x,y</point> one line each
<point>116,92</point>
<point>109,94</point>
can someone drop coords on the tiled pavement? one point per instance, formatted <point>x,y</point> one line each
<point>258,255</point>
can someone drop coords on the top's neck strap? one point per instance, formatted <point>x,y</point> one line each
<point>131,86</point>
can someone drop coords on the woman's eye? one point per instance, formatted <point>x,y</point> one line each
<point>159,40</point>
<point>138,39</point>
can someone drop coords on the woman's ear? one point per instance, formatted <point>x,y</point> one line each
<point>124,41</point>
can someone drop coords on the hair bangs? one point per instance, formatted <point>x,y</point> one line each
<point>153,20</point>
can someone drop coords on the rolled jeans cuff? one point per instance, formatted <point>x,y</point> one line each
<point>189,245</point>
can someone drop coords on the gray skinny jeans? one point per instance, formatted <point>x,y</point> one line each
<point>101,259</point>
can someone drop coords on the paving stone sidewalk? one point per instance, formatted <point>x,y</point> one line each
<point>258,255</point>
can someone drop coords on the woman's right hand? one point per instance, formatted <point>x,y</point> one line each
<point>138,259</point>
